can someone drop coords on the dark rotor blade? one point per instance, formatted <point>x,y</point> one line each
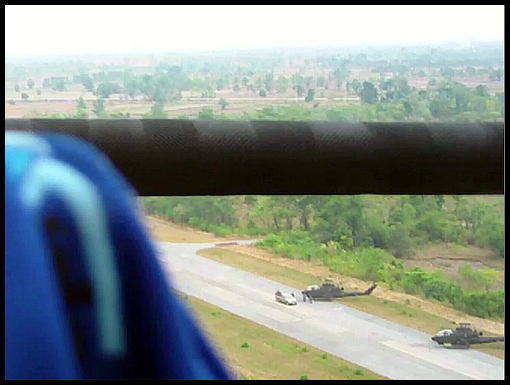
<point>183,157</point>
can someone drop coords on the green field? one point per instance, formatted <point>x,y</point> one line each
<point>256,352</point>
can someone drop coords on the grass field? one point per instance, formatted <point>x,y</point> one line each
<point>257,352</point>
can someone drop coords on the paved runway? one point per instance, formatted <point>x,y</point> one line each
<point>389,349</point>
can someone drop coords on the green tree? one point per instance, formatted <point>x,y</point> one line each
<point>462,97</point>
<point>496,75</point>
<point>310,96</point>
<point>268,81</point>
<point>223,103</point>
<point>157,112</point>
<point>81,104</point>
<point>81,114</point>
<point>206,114</point>
<point>30,83</point>
<point>479,104</point>
<point>106,89</point>
<point>24,96</point>
<point>58,84</point>
<point>282,84</point>
<point>439,107</point>
<point>16,88</point>
<point>408,108</point>
<point>262,93</point>
<point>435,224</point>
<point>220,84</point>
<point>500,103</point>
<point>98,108</point>
<point>355,85</point>
<point>159,95</point>
<point>447,72</point>
<point>297,80</point>
<point>481,90</point>
<point>341,73</point>
<point>38,92</point>
<point>488,277</point>
<point>399,241</point>
<point>341,219</point>
<point>440,200</point>
<point>369,93</point>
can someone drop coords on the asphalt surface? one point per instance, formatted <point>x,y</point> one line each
<point>384,347</point>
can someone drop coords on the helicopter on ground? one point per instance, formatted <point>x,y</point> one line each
<point>329,290</point>
<point>463,337</point>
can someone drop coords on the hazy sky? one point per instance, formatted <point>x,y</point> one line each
<point>70,29</point>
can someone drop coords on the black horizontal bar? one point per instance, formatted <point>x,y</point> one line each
<point>183,157</point>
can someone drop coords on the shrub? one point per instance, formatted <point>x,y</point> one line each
<point>437,289</point>
<point>304,377</point>
<point>221,231</point>
<point>245,345</point>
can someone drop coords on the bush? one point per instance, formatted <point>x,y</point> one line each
<point>206,114</point>
<point>437,289</point>
<point>304,377</point>
<point>222,231</point>
<point>484,304</point>
<point>245,345</point>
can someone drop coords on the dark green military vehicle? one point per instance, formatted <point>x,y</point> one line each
<point>463,337</point>
<point>329,290</point>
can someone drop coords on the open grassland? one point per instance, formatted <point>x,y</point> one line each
<point>256,352</point>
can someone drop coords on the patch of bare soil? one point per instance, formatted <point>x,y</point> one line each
<point>20,109</point>
<point>450,258</point>
<point>319,270</point>
<point>170,232</point>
